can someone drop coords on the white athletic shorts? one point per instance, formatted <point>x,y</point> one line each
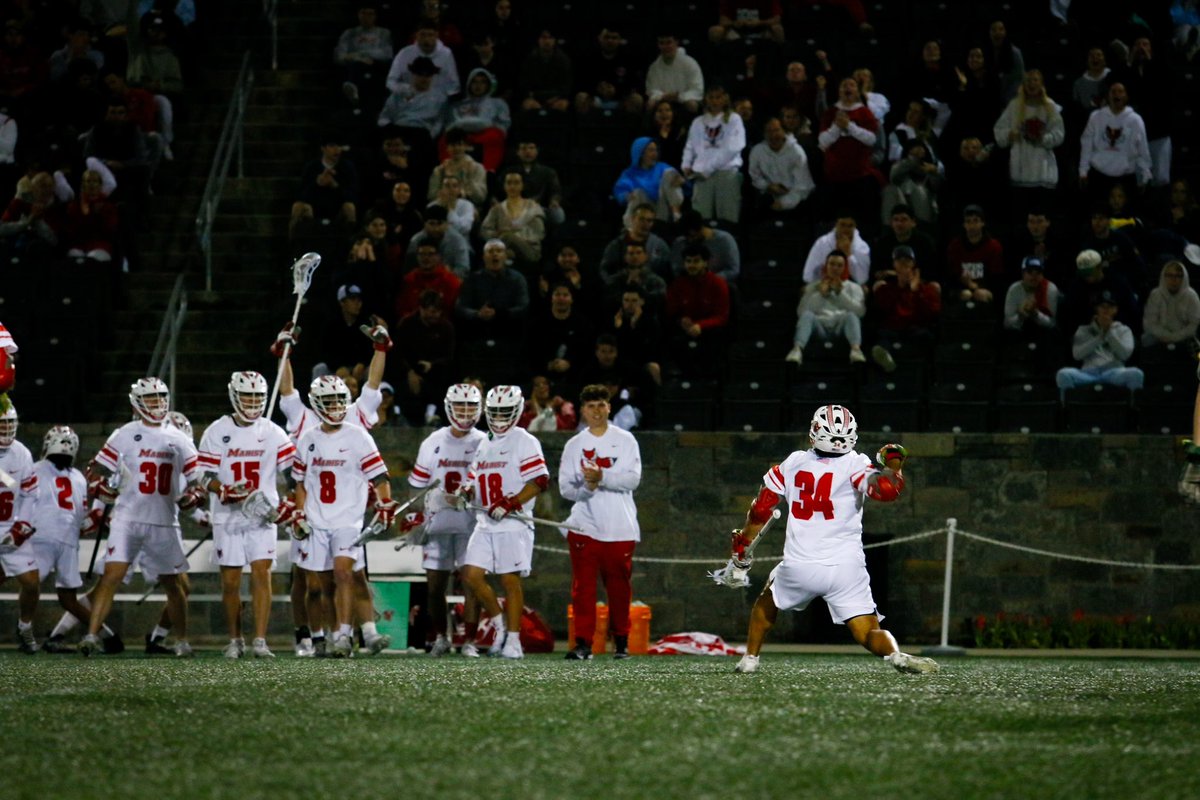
<point>445,552</point>
<point>60,558</point>
<point>341,545</point>
<point>236,546</point>
<point>19,560</point>
<point>157,549</point>
<point>846,588</point>
<point>501,553</point>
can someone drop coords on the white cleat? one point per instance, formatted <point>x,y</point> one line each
<point>183,650</point>
<point>260,649</point>
<point>512,647</point>
<point>498,642</point>
<point>748,664</point>
<point>90,644</point>
<point>378,643</point>
<point>305,649</point>
<point>441,646</point>
<point>911,665</point>
<point>343,645</point>
<point>234,649</point>
<point>469,650</point>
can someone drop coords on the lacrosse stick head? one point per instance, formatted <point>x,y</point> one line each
<point>733,575</point>
<point>258,508</point>
<point>302,272</point>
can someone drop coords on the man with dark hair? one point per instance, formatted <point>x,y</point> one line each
<point>600,469</point>
<point>698,309</point>
<point>640,230</point>
<point>426,350</point>
<point>452,247</point>
<point>541,181</point>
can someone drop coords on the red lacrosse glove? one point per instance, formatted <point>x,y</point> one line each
<point>377,332</point>
<point>385,512</point>
<point>290,334</point>
<point>92,522</point>
<point>503,507</point>
<point>229,494</point>
<point>192,497</point>
<point>411,521</point>
<point>21,531</point>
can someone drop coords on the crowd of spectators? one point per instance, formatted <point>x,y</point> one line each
<point>554,186</point>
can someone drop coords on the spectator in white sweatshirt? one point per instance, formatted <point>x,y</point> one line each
<point>1113,147</point>
<point>674,76</point>
<point>712,158</point>
<point>1172,312</point>
<point>426,45</point>
<point>844,238</point>
<point>779,169</point>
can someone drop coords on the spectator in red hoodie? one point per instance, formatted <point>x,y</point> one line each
<point>698,308</point>
<point>977,259</point>
<point>906,309</point>
<point>430,273</point>
<point>91,226</point>
<point>848,136</point>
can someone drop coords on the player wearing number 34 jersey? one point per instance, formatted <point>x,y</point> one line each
<point>823,490</point>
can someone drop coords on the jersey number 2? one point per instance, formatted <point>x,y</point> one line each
<point>812,495</point>
<point>64,493</point>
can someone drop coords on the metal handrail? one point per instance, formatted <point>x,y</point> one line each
<point>163,359</point>
<point>230,142</point>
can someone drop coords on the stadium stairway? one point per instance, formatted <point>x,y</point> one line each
<point>229,329</point>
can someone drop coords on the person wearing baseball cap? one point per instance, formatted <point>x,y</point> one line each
<point>975,258</point>
<point>1094,276</point>
<point>1031,304</point>
<point>1102,347</point>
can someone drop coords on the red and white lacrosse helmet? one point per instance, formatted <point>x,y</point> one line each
<point>8,427</point>
<point>248,395</point>
<point>179,420</point>
<point>60,441</point>
<point>463,404</point>
<point>503,408</point>
<point>833,430</point>
<point>330,399</point>
<point>151,399</point>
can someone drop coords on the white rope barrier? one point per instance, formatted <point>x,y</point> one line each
<point>1070,557</point>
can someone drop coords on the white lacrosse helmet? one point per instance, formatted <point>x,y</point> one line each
<point>833,430</point>
<point>8,427</point>
<point>151,399</point>
<point>503,408</point>
<point>463,405</point>
<point>177,419</point>
<point>248,394</point>
<point>330,399</point>
<point>60,441</point>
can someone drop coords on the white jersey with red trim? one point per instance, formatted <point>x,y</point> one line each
<point>824,505</point>
<point>15,503</point>
<point>607,514</point>
<point>363,412</point>
<point>150,458</point>
<point>254,454</point>
<point>502,467</point>
<point>445,457</point>
<point>60,504</point>
<point>336,468</point>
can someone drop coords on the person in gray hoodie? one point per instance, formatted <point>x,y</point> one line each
<point>485,118</point>
<point>1102,347</point>
<point>1172,310</point>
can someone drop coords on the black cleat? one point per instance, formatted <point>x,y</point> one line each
<point>25,642</point>
<point>56,644</point>
<point>113,645</point>
<point>155,647</point>
<point>581,652</point>
<point>622,647</point>
<point>620,654</point>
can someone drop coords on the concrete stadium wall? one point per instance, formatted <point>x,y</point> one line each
<point>1106,497</point>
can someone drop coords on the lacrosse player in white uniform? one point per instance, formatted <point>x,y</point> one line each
<point>508,473</point>
<point>445,456</point>
<point>60,513</point>
<point>600,468</point>
<point>824,489</point>
<point>335,464</point>
<point>145,520</point>
<point>242,453</point>
<point>17,556</point>
<point>310,638</point>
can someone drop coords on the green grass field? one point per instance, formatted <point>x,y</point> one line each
<point>811,726</point>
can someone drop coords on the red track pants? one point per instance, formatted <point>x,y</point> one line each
<point>611,562</point>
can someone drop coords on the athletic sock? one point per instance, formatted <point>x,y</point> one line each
<point>65,625</point>
<point>159,633</point>
<point>369,630</point>
<point>302,633</point>
<point>345,630</point>
<point>22,625</point>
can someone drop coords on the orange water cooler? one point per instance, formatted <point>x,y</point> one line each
<point>639,628</point>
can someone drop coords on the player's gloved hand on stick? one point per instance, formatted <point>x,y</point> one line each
<point>377,332</point>
<point>229,494</point>
<point>91,523</point>
<point>299,528</point>
<point>100,489</point>
<point>285,512</point>
<point>288,335</point>
<point>889,454</point>
<point>385,512</point>
<point>192,497</point>
<point>411,521</point>
<point>20,532</point>
<point>201,517</point>
<point>460,498</point>
<point>737,548</point>
<point>503,507</point>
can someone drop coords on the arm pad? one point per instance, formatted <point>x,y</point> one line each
<point>542,482</point>
<point>884,486</point>
<point>760,509</point>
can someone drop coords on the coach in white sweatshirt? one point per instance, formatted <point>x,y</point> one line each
<point>601,466</point>
<point>1114,142</point>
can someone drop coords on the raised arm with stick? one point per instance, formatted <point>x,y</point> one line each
<point>302,272</point>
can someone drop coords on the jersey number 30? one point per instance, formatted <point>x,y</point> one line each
<point>155,477</point>
<point>812,495</point>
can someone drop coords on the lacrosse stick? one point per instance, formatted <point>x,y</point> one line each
<point>114,481</point>
<point>734,573</point>
<point>302,272</point>
<point>258,508</point>
<point>377,527</point>
<point>552,523</point>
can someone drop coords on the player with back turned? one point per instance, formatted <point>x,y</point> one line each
<point>824,489</point>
